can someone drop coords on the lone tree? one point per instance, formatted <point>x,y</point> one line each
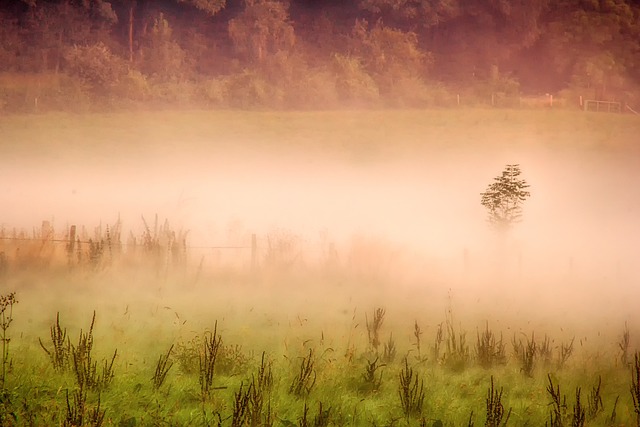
<point>503,199</point>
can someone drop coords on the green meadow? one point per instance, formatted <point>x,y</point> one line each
<point>337,132</point>
<point>99,335</point>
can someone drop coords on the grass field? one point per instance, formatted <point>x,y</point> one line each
<point>398,194</point>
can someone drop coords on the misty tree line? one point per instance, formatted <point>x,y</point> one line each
<point>77,54</point>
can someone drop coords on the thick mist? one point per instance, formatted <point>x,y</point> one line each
<point>413,217</point>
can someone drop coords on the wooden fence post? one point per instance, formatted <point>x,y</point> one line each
<point>72,239</point>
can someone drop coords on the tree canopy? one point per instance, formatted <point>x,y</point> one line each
<point>295,52</point>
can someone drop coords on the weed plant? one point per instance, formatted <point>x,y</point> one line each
<point>495,408</point>
<point>614,414</point>
<point>558,410</point>
<point>305,379</point>
<point>78,414</point>
<point>163,366</point>
<point>417,334</point>
<point>389,352</point>
<point>456,356</point>
<point>7,398</point>
<point>566,350</point>
<point>241,406</point>
<point>88,379</point>
<point>85,368</point>
<point>635,386</point>
<point>595,405</point>
<point>544,351</point>
<point>6,318</point>
<point>321,419</point>
<point>490,351</point>
<point>60,354</point>
<point>373,328</point>
<point>526,353</point>
<point>259,412</point>
<point>624,345</point>
<point>372,381</point>
<point>410,391</point>
<point>579,413</point>
<point>437,345</point>
<point>207,359</point>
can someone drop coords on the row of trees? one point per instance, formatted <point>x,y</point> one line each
<point>313,53</point>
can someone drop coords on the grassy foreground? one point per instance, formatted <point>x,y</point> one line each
<point>295,351</point>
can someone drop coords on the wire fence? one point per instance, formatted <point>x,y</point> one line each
<point>159,245</point>
<point>163,249</point>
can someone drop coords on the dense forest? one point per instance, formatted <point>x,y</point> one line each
<point>301,54</point>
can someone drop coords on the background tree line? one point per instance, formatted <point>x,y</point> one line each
<point>80,54</point>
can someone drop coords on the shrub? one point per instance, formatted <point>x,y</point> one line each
<point>161,56</point>
<point>39,92</point>
<point>388,54</point>
<point>213,91</point>
<point>250,90</point>
<point>413,92</point>
<point>134,86</point>
<point>353,84</point>
<point>315,89</point>
<point>96,67</point>
<point>173,93</point>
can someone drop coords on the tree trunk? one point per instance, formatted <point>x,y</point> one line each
<point>131,32</point>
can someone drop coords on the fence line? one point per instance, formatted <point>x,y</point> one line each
<point>161,240</point>
<point>43,240</point>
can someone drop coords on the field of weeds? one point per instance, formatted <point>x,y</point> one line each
<point>317,269</point>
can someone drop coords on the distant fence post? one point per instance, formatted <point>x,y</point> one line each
<point>72,239</point>
<point>254,251</point>
<point>458,99</point>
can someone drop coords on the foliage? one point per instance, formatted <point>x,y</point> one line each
<point>96,67</point>
<point>248,90</point>
<point>209,6</point>
<point>389,55</point>
<point>353,84</point>
<point>262,30</point>
<point>398,53</point>
<point>503,199</point>
<point>161,56</point>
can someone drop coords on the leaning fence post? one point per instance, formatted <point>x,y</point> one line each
<point>254,251</point>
